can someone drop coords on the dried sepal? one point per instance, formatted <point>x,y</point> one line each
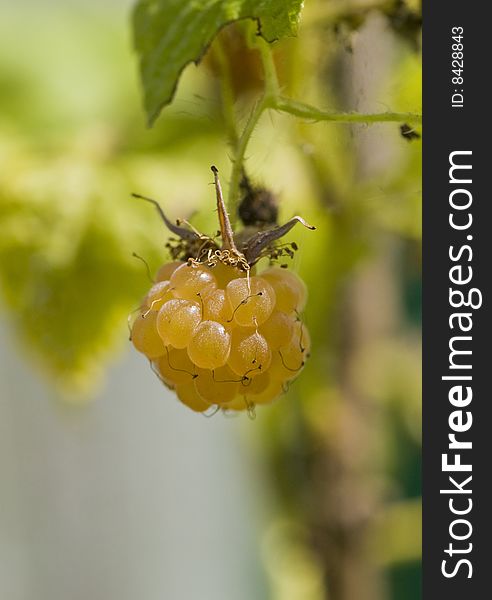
<point>224,221</point>
<point>228,254</point>
<point>256,245</point>
<point>193,246</point>
<point>181,232</point>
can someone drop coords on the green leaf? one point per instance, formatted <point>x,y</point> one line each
<point>169,34</point>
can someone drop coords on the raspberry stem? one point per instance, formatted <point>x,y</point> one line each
<point>272,100</point>
<point>306,111</point>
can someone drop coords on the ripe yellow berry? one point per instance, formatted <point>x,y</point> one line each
<point>158,294</point>
<point>176,367</point>
<point>252,301</point>
<point>239,403</point>
<point>188,395</point>
<point>225,273</point>
<point>272,391</point>
<point>302,338</point>
<point>218,386</point>
<point>164,273</point>
<point>177,320</point>
<point>188,280</point>
<point>288,361</point>
<point>219,337</point>
<point>210,345</point>
<point>290,290</point>
<point>256,385</point>
<point>145,337</point>
<point>250,354</point>
<point>278,329</point>
<point>216,332</point>
<point>216,307</point>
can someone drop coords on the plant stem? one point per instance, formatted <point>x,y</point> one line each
<point>237,166</point>
<point>268,100</point>
<point>269,69</point>
<point>272,99</point>
<point>305,111</point>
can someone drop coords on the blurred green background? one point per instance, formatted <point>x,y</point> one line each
<point>109,488</point>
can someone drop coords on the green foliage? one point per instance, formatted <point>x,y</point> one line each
<point>68,225</point>
<point>169,34</point>
<point>68,279</point>
<point>72,150</point>
<point>69,287</point>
